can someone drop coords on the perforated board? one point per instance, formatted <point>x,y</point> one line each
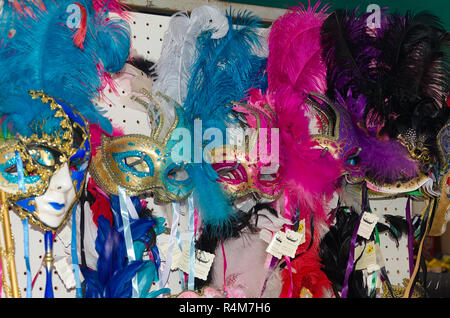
<point>147,34</point>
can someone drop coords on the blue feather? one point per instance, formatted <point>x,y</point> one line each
<point>114,273</point>
<point>41,55</point>
<point>222,72</point>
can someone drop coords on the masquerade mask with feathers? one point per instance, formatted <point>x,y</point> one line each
<point>394,158</point>
<point>58,53</point>
<point>42,155</point>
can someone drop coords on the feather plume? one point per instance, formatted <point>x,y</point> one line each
<point>348,51</point>
<point>114,273</point>
<point>222,72</point>
<point>295,69</point>
<point>414,66</point>
<point>114,6</point>
<point>41,55</point>
<point>179,44</point>
<point>309,174</point>
<point>334,253</point>
<point>295,52</point>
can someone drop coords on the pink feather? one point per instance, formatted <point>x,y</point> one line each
<point>114,6</point>
<point>295,68</point>
<point>295,55</point>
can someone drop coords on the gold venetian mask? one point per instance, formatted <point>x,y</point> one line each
<point>141,164</point>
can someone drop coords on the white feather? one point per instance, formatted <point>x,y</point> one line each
<point>178,50</point>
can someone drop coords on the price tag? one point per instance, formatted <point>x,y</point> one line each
<point>276,245</point>
<point>368,257</point>
<point>368,222</point>
<point>291,243</point>
<point>202,265</point>
<point>285,243</point>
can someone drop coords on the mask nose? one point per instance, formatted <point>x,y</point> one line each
<point>61,181</point>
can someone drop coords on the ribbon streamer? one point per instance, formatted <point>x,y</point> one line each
<point>225,289</point>
<point>191,277</point>
<point>20,175</point>
<point>173,230</point>
<point>26,247</point>
<point>74,254</point>
<point>351,259</point>
<point>183,277</point>
<point>124,212</point>
<point>410,238</point>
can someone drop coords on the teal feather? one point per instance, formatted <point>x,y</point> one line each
<point>41,55</point>
<point>222,72</point>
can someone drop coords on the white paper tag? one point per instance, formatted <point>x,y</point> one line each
<point>64,268</point>
<point>276,245</point>
<point>285,243</point>
<point>368,257</point>
<point>65,235</point>
<point>301,229</point>
<point>368,222</point>
<point>203,261</point>
<point>291,242</point>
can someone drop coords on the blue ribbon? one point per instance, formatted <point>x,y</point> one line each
<point>48,242</point>
<point>20,174</point>
<point>127,236</point>
<point>176,206</point>
<point>74,254</point>
<point>26,245</point>
<point>165,274</point>
<point>191,277</point>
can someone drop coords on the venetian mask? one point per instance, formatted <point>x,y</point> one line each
<point>44,173</point>
<point>251,165</point>
<point>141,164</point>
<point>364,156</point>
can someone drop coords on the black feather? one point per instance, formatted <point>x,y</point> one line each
<point>397,227</point>
<point>413,74</point>
<point>146,66</point>
<point>348,51</point>
<point>335,250</point>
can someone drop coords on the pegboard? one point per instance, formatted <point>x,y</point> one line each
<point>147,33</point>
<point>396,258</point>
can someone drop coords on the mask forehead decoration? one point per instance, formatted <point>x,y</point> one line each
<point>142,164</point>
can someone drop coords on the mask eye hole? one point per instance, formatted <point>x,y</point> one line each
<point>135,162</point>
<point>353,159</point>
<point>178,174</point>
<point>231,172</point>
<point>44,156</point>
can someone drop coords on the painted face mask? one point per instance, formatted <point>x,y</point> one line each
<point>44,173</point>
<point>250,163</point>
<point>141,164</point>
